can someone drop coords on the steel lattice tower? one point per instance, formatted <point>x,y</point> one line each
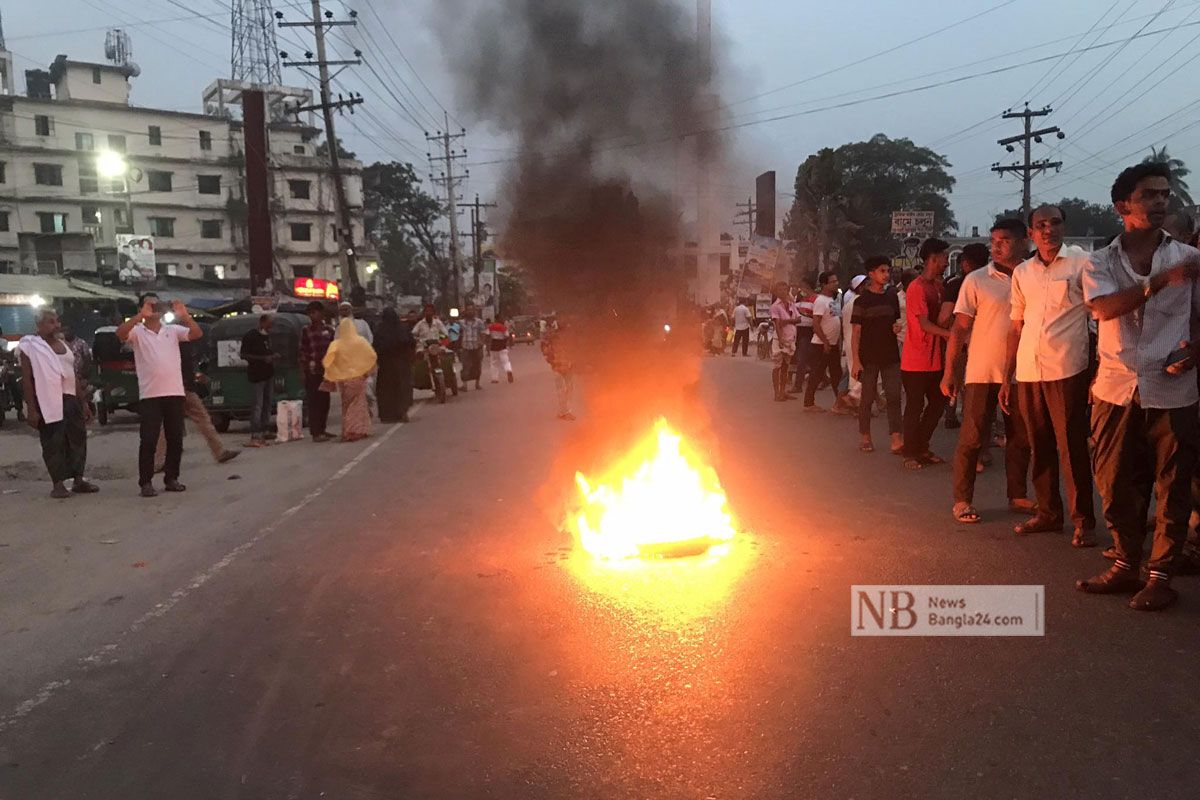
<point>255,55</point>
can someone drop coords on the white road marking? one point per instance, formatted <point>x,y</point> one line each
<point>47,691</point>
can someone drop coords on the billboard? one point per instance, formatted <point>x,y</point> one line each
<point>315,289</point>
<point>135,258</point>
<point>487,299</point>
<point>905,223</point>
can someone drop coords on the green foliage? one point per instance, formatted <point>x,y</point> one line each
<point>1097,220</point>
<point>1180,194</point>
<point>514,294</point>
<point>323,150</point>
<point>845,199</point>
<point>403,217</point>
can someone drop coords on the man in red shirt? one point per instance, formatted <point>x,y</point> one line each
<point>921,361</point>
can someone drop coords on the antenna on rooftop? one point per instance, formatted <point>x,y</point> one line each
<point>119,50</point>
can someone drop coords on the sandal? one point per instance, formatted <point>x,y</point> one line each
<point>965,513</point>
<point>1038,524</point>
<point>866,447</point>
<point>914,464</point>
<point>932,459</point>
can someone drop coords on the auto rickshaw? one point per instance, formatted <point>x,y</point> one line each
<point>228,386</point>
<point>524,329</point>
<point>114,374</point>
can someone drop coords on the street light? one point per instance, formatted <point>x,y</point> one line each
<point>111,164</point>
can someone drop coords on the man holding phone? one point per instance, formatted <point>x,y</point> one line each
<point>160,384</point>
<point>1143,289</point>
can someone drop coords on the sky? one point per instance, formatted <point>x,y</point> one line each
<point>779,58</point>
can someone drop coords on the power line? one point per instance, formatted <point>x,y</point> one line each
<point>1029,92</point>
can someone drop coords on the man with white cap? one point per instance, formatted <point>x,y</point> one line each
<point>852,393</point>
<point>54,405</point>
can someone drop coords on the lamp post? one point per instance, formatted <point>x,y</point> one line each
<point>110,165</point>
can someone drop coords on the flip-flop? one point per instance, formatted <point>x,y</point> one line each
<point>966,514</point>
<point>914,464</point>
<point>931,458</point>
<point>866,447</point>
<point>1038,525</point>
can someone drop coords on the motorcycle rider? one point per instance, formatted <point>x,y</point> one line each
<point>430,332</point>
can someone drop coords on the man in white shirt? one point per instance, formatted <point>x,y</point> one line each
<point>982,318</point>
<point>805,296</point>
<point>160,385</point>
<point>827,333</point>
<point>1143,289</point>
<point>1048,354</point>
<point>783,346</point>
<point>741,328</point>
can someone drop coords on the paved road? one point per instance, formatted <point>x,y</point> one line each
<point>423,630</point>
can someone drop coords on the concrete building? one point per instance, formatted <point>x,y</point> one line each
<point>79,163</point>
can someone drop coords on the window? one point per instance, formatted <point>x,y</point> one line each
<point>43,125</point>
<point>96,78</point>
<point>47,174</point>
<point>3,176</point>
<point>300,190</point>
<point>155,135</point>
<point>208,184</point>
<point>52,223</point>
<point>213,272</point>
<point>84,141</point>
<point>117,186</point>
<point>301,232</point>
<point>159,181</point>
<point>210,229</point>
<point>88,182</point>
<point>302,270</point>
<point>116,142</point>
<point>3,222</point>
<point>298,149</point>
<point>91,215</point>
<point>119,218</point>
<point>162,226</point>
<point>9,268</point>
<point>205,140</point>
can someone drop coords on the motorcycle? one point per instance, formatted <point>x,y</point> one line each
<point>10,390</point>
<point>439,366</point>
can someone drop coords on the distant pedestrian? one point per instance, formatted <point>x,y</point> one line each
<point>850,389</point>
<point>160,385</point>
<point>315,339</point>
<point>260,361</point>
<point>193,409</point>
<point>921,360</point>
<point>805,297</point>
<point>557,352</point>
<point>346,311</point>
<point>874,352</point>
<point>472,335</point>
<point>498,339</point>
<point>784,317</point>
<point>1048,351</point>
<point>348,362</point>
<point>742,321</point>
<point>974,256</point>
<point>53,405</point>
<point>395,348</point>
<point>982,318</point>
<point>827,332</point>
<point>1143,289</point>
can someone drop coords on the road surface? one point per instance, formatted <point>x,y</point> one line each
<point>402,618</point>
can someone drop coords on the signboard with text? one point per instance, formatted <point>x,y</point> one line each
<point>905,223</point>
<point>316,289</point>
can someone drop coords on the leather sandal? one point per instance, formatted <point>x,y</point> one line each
<point>1038,524</point>
<point>1114,580</point>
<point>1155,596</point>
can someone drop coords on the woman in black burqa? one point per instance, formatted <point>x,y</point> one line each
<point>396,349</point>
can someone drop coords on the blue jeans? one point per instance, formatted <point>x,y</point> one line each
<point>260,408</point>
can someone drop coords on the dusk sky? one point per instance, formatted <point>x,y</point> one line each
<point>1106,99</point>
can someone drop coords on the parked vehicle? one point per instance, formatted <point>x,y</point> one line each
<point>524,329</point>
<point>228,386</point>
<point>114,374</point>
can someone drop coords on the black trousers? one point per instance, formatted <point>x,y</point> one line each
<point>1055,414</point>
<point>317,403</point>
<point>160,414</point>
<point>923,407</point>
<point>1138,450</point>
<point>742,337</point>
<point>979,411</point>
<point>821,364</point>
<point>871,374</point>
<point>64,443</point>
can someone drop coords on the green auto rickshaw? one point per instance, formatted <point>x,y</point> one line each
<point>115,375</point>
<point>228,386</point>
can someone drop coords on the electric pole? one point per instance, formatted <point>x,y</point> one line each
<point>1028,168</point>
<point>327,106</point>
<point>448,179</point>
<point>748,215</point>
<point>478,234</point>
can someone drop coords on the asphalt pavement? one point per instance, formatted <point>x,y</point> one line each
<point>404,618</point>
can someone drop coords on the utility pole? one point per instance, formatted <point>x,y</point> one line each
<point>478,234</point>
<point>327,106</point>
<point>448,179</point>
<point>1028,168</point>
<point>748,216</point>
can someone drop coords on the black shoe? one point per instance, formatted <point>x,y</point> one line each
<point>174,486</point>
<point>148,491</point>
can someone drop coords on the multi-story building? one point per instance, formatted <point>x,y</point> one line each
<point>79,164</point>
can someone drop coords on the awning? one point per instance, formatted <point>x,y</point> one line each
<point>19,289</point>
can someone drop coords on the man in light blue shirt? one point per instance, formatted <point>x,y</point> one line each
<point>1143,289</point>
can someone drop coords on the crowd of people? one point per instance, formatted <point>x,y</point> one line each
<point>370,367</point>
<point>1079,365</point>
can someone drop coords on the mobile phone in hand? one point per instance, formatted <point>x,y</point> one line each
<point>1179,361</point>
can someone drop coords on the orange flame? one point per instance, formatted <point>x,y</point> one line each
<point>661,499</point>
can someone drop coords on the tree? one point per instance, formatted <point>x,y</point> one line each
<point>1180,194</point>
<point>343,153</point>
<point>403,219</point>
<point>1096,220</point>
<point>845,199</point>
<point>514,294</point>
